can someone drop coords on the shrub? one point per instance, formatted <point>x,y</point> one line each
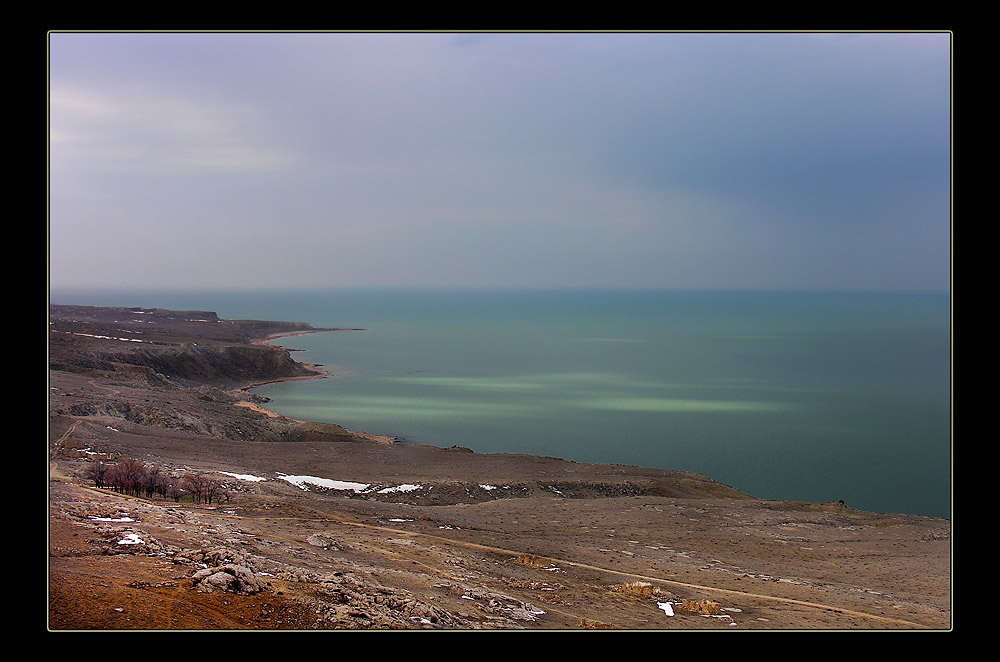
<point>701,606</point>
<point>533,561</point>
<point>636,587</point>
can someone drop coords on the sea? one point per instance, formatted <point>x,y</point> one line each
<point>805,396</point>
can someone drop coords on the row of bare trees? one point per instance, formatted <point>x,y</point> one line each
<point>136,478</point>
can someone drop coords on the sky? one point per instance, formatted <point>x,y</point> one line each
<point>808,161</point>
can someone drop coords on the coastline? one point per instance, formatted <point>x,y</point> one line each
<point>319,373</point>
<point>331,531</point>
<point>289,334</point>
<point>511,356</point>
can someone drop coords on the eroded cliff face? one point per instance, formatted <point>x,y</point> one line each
<point>221,366</point>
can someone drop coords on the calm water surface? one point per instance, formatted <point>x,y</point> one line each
<point>805,396</point>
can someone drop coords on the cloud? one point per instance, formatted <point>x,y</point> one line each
<point>140,130</point>
<point>528,160</point>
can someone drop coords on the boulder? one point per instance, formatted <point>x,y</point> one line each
<point>229,578</point>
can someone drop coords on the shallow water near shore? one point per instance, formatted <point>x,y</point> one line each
<point>801,396</point>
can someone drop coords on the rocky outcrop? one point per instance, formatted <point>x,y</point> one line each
<point>230,578</point>
<point>136,413</point>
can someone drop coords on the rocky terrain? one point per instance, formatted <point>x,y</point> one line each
<point>317,527</point>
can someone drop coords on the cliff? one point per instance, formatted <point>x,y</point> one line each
<point>161,345</point>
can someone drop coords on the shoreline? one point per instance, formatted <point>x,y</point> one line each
<point>339,533</point>
<point>319,373</point>
<point>301,332</point>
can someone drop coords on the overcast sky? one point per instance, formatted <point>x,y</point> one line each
<point>624,160</point>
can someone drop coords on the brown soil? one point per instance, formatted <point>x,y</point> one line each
<point>488,541</point>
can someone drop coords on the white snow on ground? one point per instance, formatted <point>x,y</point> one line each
<point>111,519</point>
<point>488,487</point>
<point>131,539</point>
<point>303,481</point>
<point>406,487</point>
<point>91,335</point>
<point>666,607</point>
<point>249,477</point>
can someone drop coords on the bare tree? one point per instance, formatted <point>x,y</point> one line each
<point>133,477</point>
<point>213,488</point>
<point>98,472</point>
<point>151,479</point>
<point>130,475</point>
<point>172,488</point>
<point>194,484</point>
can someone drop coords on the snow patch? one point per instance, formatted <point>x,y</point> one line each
<point>247,477</point>
<point>303,482</point>
<point>406,487</point>
<point>91,335</point>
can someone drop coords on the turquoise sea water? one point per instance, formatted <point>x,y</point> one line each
<point>804,396</point>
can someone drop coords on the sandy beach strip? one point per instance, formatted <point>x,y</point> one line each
<point>288,334</point>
